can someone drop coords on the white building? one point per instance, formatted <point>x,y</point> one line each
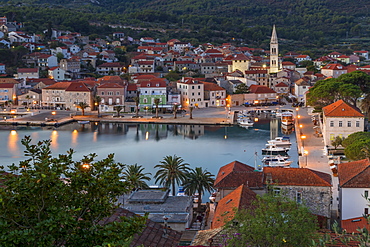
<point>340,119</point>
<point>56,73</point>
<point>354,187</point>
<point>192,92</point>
<point>333,70</point>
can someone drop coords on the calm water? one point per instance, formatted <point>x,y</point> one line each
<point>146,144</point>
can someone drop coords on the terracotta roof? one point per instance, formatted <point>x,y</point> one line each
<point>131,87</point>
<point>341,109</point>
<point>110,78</point>
<point>334,66</point>
<point>78,87</point>
<point>110,85</point>
<point>8,80</point>
<point>110,65</point>
<point>240,57</point>
<point>234,166</point>
<point>28,70</point>
<point>59,85</point>
<point>258,89</point>
<point>351,225</point>
<point>153,83</point>
<point>354,174</point>
<point>257,71</point>
<point>281,84</point>
<point>287,63</point>
<point>209,86</point>
<point>240,198</point>
<point>296,177</point>
<point>7,85</point>
<point>151,235</point>
<point>304,81</point>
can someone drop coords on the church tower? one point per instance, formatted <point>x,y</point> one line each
<point>274,52</point>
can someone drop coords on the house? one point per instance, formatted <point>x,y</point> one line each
<point>334,54</point>
<point>111,94</point>
<point>344,59</point>
<point>260,95</point>
<point>354,187</point>
<point>192,92</point>
<point>301,87</point>
<point>66,95</point>
<point>333,70</point>
<point>2,68</point>
<point>234,174</point>
<point>109,69</point>
<point>364,54</point>
<point>8,92</point>
<point>214,94</point>
<point>153,234</point>
<point>181,46</point>
<point>157,204</point>
<point>240,62</point>
<point>301,58</point>
<point>71,66</point>
<point>282,88</point>
<point>185,65</point>
<point>288,65</point>
<point>47,61</point>
<point>240,198</point>
<point>306,186</point>
<point>24,73</point>
<point>340,119</point>
<point>151,90</point>
<point>145,66</point>
<point>56,73</point>
<point>31,99</point>
<point>261,76</point>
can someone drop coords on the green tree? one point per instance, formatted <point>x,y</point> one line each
<point>358,78</point>
<point>198,181</point>
<point>118,109</point>
<point>51,200</point>
<point>135,176</point>
<point>172,171</point>
<point>272,220</point>
<point>357,146</point>
<point>241,88</point>
<point>156,102</point>
<point>60,56</point>
<point>173,76</point>
<point>82,106</point>
<point>337,142</point>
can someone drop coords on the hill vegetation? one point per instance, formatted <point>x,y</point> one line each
<point>248,21</point>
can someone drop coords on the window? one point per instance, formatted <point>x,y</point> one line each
<point>102,93</point>
<point>192,87</point>
<point>340,124</point>
<point>117,101</point>
<point>366,194</point>
<point>331,123</point>
<point>366,211</point>
<point>299,197</point>
<point>145,101</point>
<point>198,87</point>
<point>117,93</point>
<point>349,124</point>
<point>192,94</point>
<point>198,93</point>
<point>276,191</point>
<point>357,124</point>
<point>110,93</point>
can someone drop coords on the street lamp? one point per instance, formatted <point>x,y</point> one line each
<point>305,153</point>
<point>303,137</point>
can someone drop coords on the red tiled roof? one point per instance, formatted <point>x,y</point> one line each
<point>110,85</point>
<point>7,85</point>
<point>341,109</point>
<point>209,86</point>
<point>131,87</point>
<point>78,87</point>
<point>287,63</point>
<point>240,57</point>
<point>334,66</point>
<point>59,85</point>
<point>258,89</point>
<point>233,166</point>
<point>153,83</point>
<point>240,198</point>
<point>28,70</point>
<point>110,65</point>
<point>351,225</point>
<point>281,84</point>
<point>296,177</point>
<point>355,174</point>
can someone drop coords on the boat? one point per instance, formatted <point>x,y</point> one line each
<point>83,122</point>
<point>272,149</point>
<point>281,141</point>
<point>287,118</point>
<point>245,122</point>
<point>212,197</point>
<point>279,163</point>
<point>267,159</point>
<point>181,191</point>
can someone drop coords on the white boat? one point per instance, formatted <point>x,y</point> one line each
<point>287,118</point>
<point>83,122</point>
<point>267,159</point>
<point>272,149</point>
<point>281,141</point>
<point>245,122</point>
<point>279,163</point>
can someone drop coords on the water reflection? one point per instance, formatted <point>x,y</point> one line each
<point>13,142</point>
<point>54,139</point>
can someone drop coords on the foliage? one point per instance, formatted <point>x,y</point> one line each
<point>135,176</point>
<point>173,76</point>
<point>198,181</point>
<point>357,146</point>
<point>272,220</point>
<point>55,201</point>
<point>82,106</point>
<point>118,109</point>
<point>241,88</point>
<point>171,170</point>
<point>337,142</point>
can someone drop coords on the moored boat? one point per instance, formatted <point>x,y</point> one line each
<point>245,122</point>
<point>83,122</point>
<point>272,149</point>
<point>287,118</point>
<point>269,158</point>
<point>281,141</point>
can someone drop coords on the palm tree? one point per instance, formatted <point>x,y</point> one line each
<point>175,107</point>
<point>198,181</point>
<point>134,175</point>
<point>137,99</point>
<point>82,106</point>
<point>118,109</point>
<point>28,100</point>
<point>97,103</point>
<point>156,102</point>
<point>171,170</point>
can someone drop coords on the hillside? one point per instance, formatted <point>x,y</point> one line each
<point>250,20</point>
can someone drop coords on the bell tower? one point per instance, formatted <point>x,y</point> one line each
<point>274,52</point>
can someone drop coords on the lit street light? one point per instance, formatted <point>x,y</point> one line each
<point>305,153</point>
